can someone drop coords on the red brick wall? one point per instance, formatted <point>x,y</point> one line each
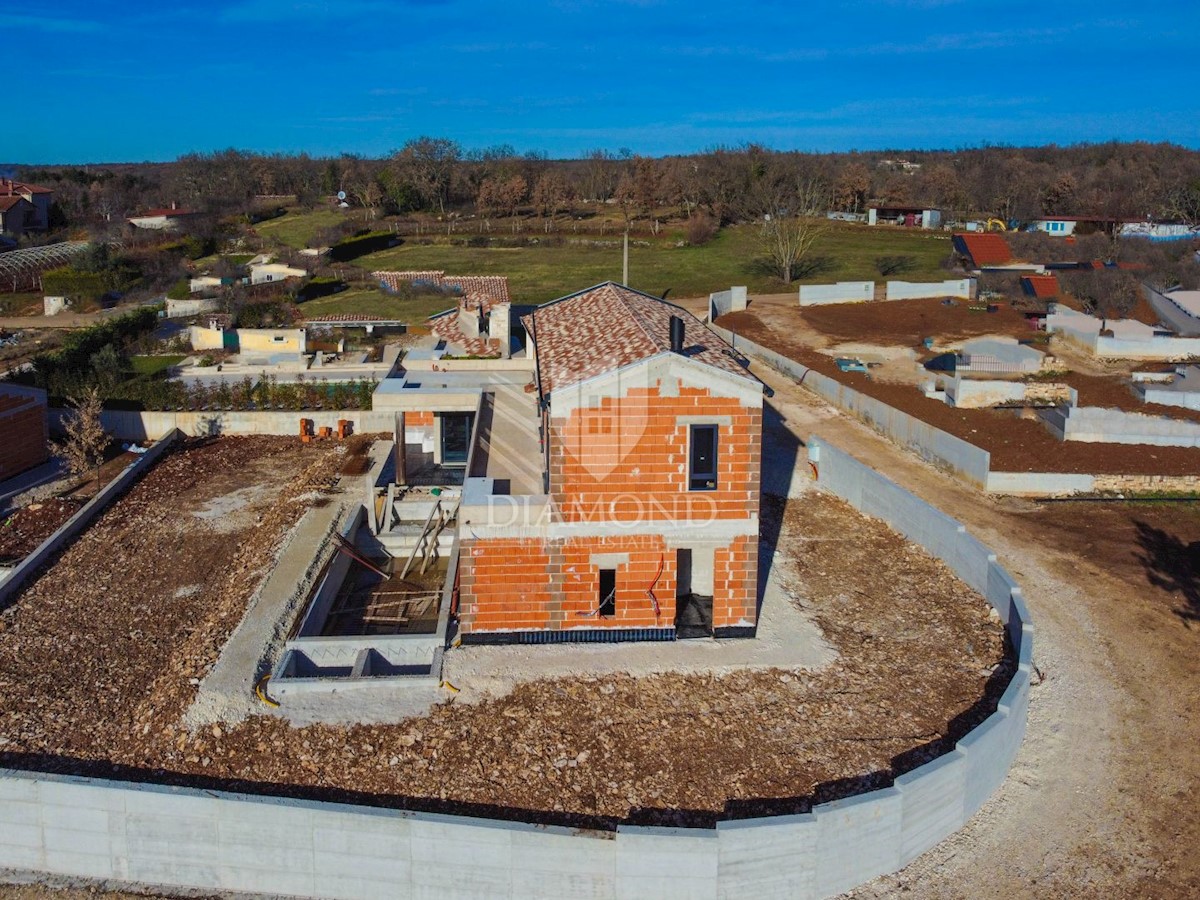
<point>23,439</point>
<point>514,585</point>
<point>626,459</point>
<point>735,583</point>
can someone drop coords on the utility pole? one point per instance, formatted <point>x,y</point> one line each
<point>625,266</point>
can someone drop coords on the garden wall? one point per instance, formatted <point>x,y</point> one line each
<point>142,426</point>
<point>938,447</point>
<point>70,529</point>
<point>841,292</point>
<point>209,840</point>
<point>963,288</point>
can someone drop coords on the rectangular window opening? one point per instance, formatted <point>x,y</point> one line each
<point>608,593</point>
<point>456,437</point>
<point>702,458</point>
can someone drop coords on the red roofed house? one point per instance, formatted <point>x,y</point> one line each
<point>23,207</point>
<point>611,476</point>
<point>983,249</point>
<point>1041,287</point>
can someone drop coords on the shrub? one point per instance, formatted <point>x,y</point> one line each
<point>894,265</point>
<point>700,230</point>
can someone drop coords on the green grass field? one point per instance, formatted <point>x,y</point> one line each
<point>152,365</point>
<point>540,273</point>
<point>376,303</point>
<point>298,228</point>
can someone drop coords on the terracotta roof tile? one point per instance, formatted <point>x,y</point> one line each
<point>610,326</point>
<point>1044,287</point>
<point>984,249</point>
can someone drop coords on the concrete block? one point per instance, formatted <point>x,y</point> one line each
<point>667,862</point>
<point>931,803</point>
<point>78,863</point>
<point>773,857</point>
<point>17,787</point>
<point>183,829</point>
<point>987,748</point>
<point>998,590</point>
<point>552,852</point>
<point>858,839</point>
<point>338,886</point>
<point>270,881</point>
<point>21,856</point>
<point>397,870</point>
<point>378,839</point>
<point>178,871</point>
<point>18,814</point>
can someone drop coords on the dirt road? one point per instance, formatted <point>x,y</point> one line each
<point>1100,800</point>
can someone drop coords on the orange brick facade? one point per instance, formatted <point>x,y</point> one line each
<point>624,461</point>
<point>23,434</point>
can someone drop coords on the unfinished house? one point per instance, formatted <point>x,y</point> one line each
<point>600,485</point>
<point>610,477</point>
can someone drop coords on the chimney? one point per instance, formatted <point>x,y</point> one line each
<point>676,334</point>
<point>173,206</point>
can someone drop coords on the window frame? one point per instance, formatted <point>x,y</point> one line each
<point>711,479</point>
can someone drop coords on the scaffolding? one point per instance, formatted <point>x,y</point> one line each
<point>21,270</point>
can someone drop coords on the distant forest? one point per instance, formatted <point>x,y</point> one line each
<point>435,176</point>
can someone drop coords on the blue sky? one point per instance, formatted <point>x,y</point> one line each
<point>109,81</point>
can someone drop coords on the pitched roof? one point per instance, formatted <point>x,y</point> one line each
<point>7,203</point>
<point>487,289</point>
<point>21,187</point>
<point>984,249</point>
<point>611,326</point>
<point>1043,287</point>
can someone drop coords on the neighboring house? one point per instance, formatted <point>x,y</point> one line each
<point>908,216</point>
<point>1040,287</point>
<point>216,336</point>
<point>1066,226</point>
<point>266,272</point>
<point>1160,231</point>
<point>169,219</point>
<point>24,427</point>
<point>23,207</point>
<point>989,252</point>
<point>611,480</point>
<point>480,322</point>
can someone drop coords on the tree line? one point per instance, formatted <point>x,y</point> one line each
<point>437,176</point>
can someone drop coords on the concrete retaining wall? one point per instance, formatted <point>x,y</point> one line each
<point>841,292</point>
<point>142,426</point>
<point>724,302</point>
<point>218,841</point>
<point>1152,393</point>
<point>74,525</point>
<point>943,450</point>
<point>1075,329</point>
<point>1093,424</point>
<point>963,288</point>
<point>970,393</point>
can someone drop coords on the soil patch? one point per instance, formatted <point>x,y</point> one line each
<point>23,531</point>
<point>920,662</point>
<point>1016,445</point>
<point>907,322</point>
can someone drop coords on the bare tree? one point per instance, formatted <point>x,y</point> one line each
<point>792,219</point>
<point>1104,293</point>
<point>85,440</point>
<point>550,195</point>
<point>429,165</point>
